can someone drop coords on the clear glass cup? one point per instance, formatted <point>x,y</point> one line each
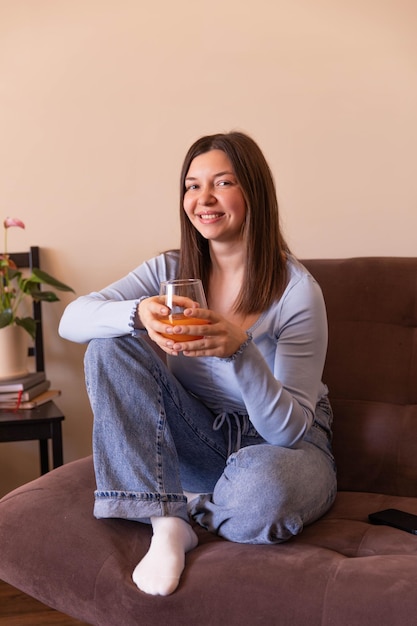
<point>172,293</point>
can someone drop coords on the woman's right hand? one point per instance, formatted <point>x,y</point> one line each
<point>150,313</point>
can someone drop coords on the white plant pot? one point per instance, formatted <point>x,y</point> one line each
<point>13,352</point>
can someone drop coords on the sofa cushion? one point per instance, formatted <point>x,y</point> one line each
<point>371,370</point>
<point>55,550</point>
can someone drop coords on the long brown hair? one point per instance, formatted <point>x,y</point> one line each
<point>265,274</point>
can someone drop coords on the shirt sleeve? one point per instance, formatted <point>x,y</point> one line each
<point>111,311</point>
<point>281,401</point>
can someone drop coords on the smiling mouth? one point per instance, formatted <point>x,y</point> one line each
<point>209,217</point>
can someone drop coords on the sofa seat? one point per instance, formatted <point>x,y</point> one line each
<point>339,570</point>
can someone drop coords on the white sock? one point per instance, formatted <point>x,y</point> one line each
<point>159,572</point>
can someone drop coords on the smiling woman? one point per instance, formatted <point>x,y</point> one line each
<point>225,424</point>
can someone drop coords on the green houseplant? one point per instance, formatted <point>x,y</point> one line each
<point>15,287</point>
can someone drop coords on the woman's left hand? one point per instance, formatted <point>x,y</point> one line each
<point>220,337</point>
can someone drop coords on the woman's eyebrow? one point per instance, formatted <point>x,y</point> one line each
<point>226,172</point>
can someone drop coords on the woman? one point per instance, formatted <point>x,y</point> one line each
<point>234,433</point>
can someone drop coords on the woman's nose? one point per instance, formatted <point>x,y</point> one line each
<point>205,195</point>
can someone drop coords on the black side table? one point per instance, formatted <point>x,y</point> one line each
<point>42,423</point>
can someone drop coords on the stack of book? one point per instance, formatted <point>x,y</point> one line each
<point>26,392</point>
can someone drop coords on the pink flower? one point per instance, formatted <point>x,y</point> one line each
<point>13,221</point>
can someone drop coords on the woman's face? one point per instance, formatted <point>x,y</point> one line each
<point>213,200</point>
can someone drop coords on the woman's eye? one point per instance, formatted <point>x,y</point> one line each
<point>191,187</point>
<point>224,183</point>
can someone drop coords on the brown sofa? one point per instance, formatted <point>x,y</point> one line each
<point>340,571</point>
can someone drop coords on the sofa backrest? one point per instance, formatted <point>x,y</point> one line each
<point>371,370</point>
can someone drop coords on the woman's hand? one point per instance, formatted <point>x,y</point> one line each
<point>219,337</point>
<point>149,312</point>
<point>153,315</point>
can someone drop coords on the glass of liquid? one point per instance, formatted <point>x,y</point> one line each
<point>180,294</point>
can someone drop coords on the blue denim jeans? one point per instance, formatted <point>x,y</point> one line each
<point>152,439</point>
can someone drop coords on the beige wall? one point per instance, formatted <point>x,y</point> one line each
<point>101,98</point>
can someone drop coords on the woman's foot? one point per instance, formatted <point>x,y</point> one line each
<point>159,572</point>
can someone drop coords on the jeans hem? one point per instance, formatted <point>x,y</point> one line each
<point>139,506</point>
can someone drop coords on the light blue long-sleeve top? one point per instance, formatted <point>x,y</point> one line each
<point>275,379</point>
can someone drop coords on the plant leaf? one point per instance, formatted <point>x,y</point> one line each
<point>6,317</point>
<point>43,296</point>
<point>28,323</point>
<point>40,276</point>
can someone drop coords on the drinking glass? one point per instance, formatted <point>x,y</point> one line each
<point>172,293</point>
